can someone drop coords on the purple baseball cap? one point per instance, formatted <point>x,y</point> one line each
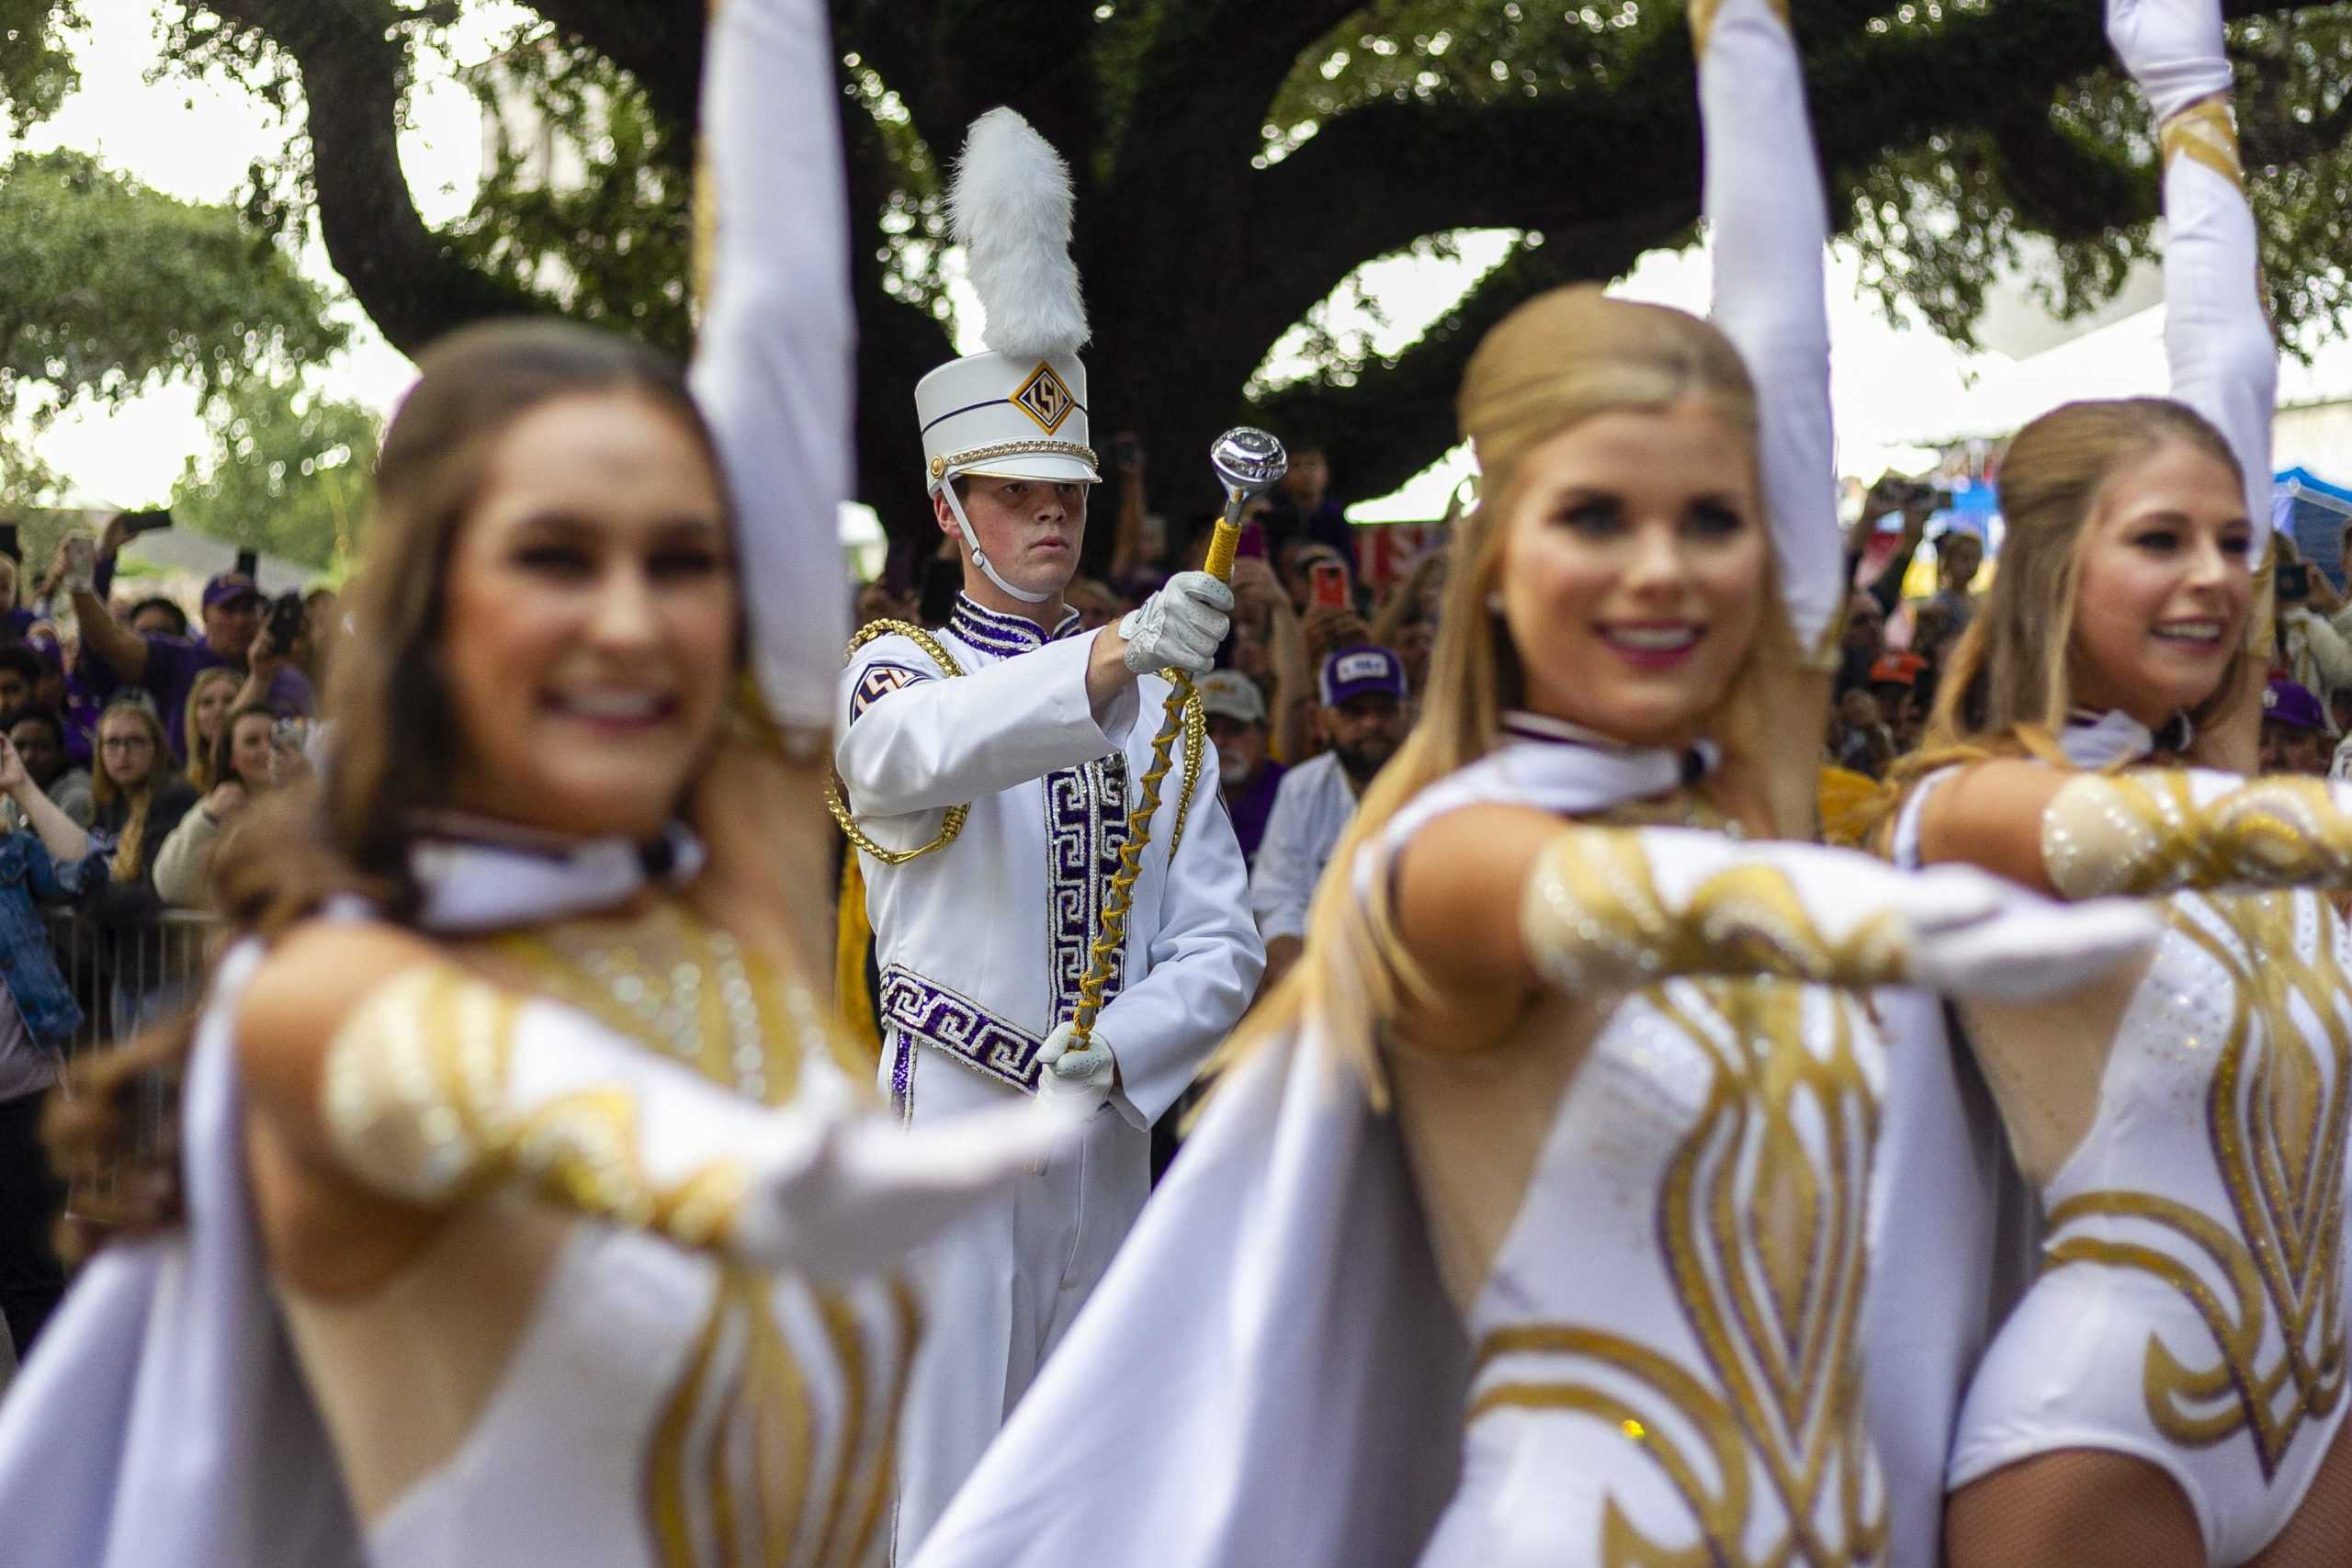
<point>1361,672</point>
<point>2292,704</point>
<point>227,587</point>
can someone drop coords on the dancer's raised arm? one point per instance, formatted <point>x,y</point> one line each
<point>1763,200</point>
<point>2223,356</point>
<point>774,369</point>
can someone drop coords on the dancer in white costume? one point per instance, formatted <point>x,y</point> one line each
<point>989,772</point>
<point>1594,1294</point>
<point>2171,1389</point>
<point>530,1217</point>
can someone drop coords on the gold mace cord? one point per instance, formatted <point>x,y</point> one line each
<point>1183,714</point>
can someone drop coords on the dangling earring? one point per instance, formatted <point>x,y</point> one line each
<point>2178,735</point>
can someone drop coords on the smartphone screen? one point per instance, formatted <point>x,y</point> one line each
<point>1329,584</point>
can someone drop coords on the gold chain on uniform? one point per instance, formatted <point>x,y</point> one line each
<point>953,823</point>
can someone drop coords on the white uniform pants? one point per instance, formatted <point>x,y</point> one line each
<point>1003,1288</point>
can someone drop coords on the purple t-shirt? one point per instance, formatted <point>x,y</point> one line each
<point>173,665</point>
<point>1253,805</point>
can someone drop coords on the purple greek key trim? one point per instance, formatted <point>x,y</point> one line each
<point>930,1014</point>
<point>1086,824</point>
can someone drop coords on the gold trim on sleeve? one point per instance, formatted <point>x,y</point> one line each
<point>2146,832</point>
<point>2208,132</point>
<point>419,1101</point>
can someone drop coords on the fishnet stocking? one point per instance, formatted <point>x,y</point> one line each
<point>2320,1535</point>
<point>2073,1508</point>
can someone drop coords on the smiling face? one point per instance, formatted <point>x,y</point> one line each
<point>590,622</point>
<point>1031,530</point>
<point>1632,570</point>
<point>249,741</point>
<point>2164,590</point>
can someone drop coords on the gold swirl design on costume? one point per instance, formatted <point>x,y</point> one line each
<point>2278,1125</point>
<point>740,1438</point>
<point>952,823</point>
<point>1594,916</point>
<point>1767,1247</point>
<point>2146,833</point>
<point>681,965</point>
<point>418,1102</point>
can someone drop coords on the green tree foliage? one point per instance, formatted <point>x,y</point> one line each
<point>36,63</point>
<point>107,286</point>
<point>289,474</point>
<point>1237,162</point>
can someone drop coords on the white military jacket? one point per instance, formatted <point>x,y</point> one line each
<point>980,945</point>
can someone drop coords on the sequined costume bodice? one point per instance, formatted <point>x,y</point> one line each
<point>646,1405</point>
<point>2208,1198</point>
<point>1666,1340</point>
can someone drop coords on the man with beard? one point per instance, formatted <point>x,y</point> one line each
<point>1362,721</point>
<point>1247,777</point>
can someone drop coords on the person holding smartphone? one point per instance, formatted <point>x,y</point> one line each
<point>2312,650</point>
<point>166,667</point>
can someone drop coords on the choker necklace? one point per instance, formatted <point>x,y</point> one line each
<point>2093,739</point>
<point>1695,761</point>
<point>476,873</point>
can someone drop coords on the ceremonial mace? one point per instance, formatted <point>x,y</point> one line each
<point>1248,462</point>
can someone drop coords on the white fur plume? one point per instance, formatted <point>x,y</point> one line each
<point>1010,208</point>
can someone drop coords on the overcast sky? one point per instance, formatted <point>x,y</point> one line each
<point>1893,386</point>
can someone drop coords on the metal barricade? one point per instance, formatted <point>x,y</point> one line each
<point>126,979</point>
<point>129,977</point>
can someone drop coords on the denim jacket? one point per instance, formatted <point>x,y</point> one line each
<point>27,962</point>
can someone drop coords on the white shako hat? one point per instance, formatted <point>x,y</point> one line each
<point>1019,409</point>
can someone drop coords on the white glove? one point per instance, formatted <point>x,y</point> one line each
<point>1080,1078</point>
<point>1180,625</point>
<point>1612,907</point>
<point>1976,934</point>
<point>2172,48</point>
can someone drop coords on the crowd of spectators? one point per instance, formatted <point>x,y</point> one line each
<point>132,735</point>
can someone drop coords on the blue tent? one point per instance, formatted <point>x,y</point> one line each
<point>2315,513</point>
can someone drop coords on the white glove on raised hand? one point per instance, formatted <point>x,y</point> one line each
<point>2173,49</point>
<point>1613,906</point>
<point>1080,1079</point>
<point>1180,625</point>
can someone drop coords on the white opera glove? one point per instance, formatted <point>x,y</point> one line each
<point>1080,1078</point>
<point>1610,908</point>
<point>2155,830</point>
<point>2173,49</point>
<point>441,1086</point>
<point>1179,627</point>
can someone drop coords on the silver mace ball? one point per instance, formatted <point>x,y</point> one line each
<point>1248,461</point>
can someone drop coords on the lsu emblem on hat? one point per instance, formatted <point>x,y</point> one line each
<point>1368,665</point>
<point>1044,398</point>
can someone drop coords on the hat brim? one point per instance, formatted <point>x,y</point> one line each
<point>1050,467</point>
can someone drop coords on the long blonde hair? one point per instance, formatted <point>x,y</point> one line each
<point>2010,683</point>
<point>131,847</point>
<point>1562,357</point>
<point>201,771</point>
